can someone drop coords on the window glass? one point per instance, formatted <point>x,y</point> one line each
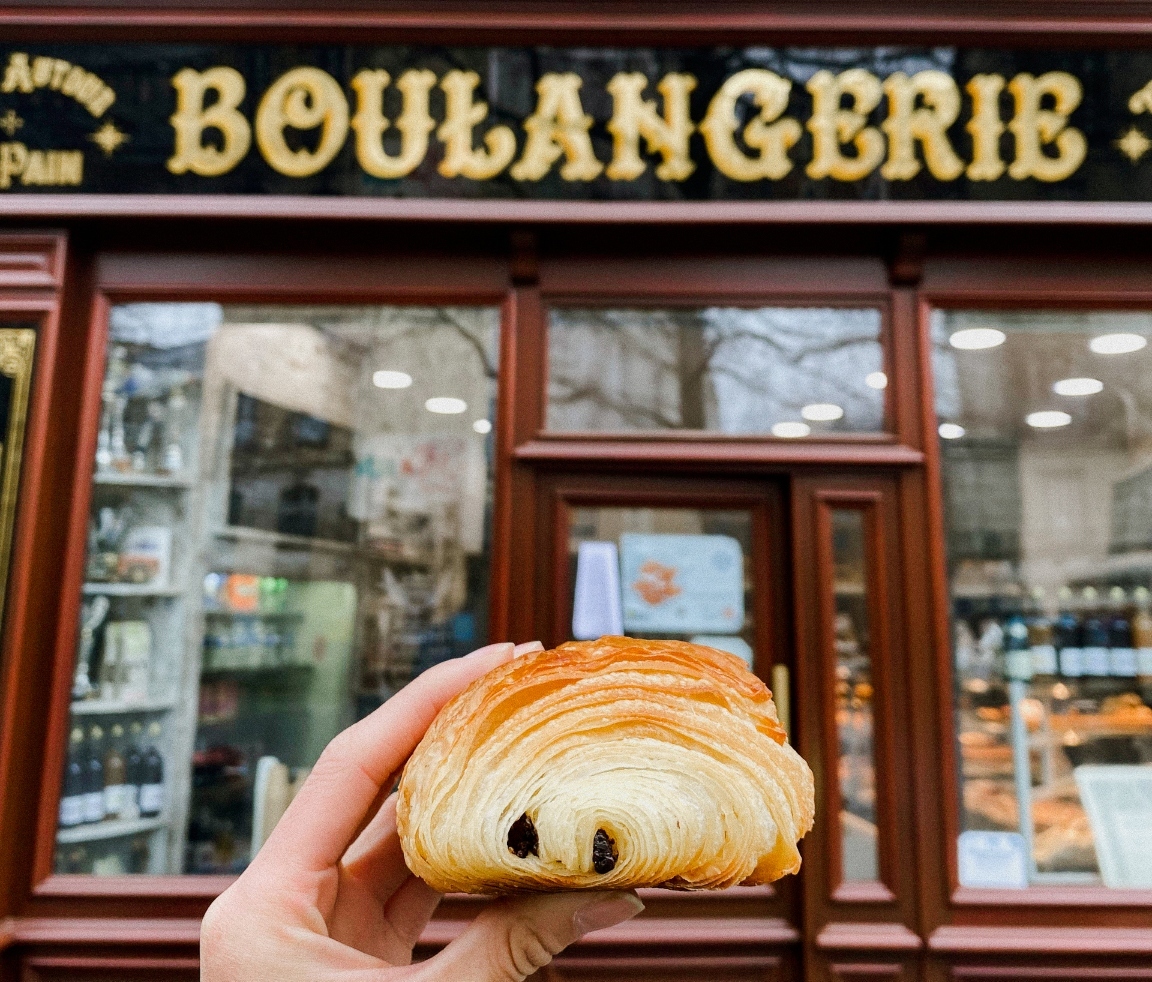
<point>1045,424</point>
<point>859,850</point>
<point>677,573</point>
<point>785,371</point>
<point>289,521</point>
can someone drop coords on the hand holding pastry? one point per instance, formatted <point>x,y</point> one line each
<point>328,897</point>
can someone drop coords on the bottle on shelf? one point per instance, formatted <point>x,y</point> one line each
<point>1121,653</point>
<point>1067,632</point>
<point>75,783</point>
<point>1142,630</point>
<point>1017,650</point>
<point>152,777</point>
<point>1040,636</point>
<point>94,777</point>
<point>1095,633</point>
<point>133,769</point>
<point>115,775</point>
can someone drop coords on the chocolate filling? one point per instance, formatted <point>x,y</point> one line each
<point>603,852</point>
<point>522,838</point>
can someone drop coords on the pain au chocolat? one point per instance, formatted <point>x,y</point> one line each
<point>606,764</point>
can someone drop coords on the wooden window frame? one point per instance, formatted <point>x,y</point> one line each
<point>987,919</point>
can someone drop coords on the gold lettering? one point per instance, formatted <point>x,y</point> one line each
<point>18,75</point>
<point>414,121</point>
<point>191,119</point>
<point>766,132</point>
<point>13,158</point>
<point>71,166</point>
<point>557,128</point>
<point>906,124</point>
<point>59,70</point>
<point>73,80</point>
<point>986,127</point>
<point>99,105</point>
<point>832,127</point>
<point>302,98</point>
<point>42,68</point>
<point>634,117</point>
<point>1033,127</point>
<point>36,169</point>
<point>461,115</point>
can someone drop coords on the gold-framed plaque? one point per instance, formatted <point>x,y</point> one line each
<point>17,349</point>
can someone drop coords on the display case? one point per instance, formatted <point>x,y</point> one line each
<point>288,517</point>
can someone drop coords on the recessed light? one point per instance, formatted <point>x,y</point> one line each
<point>446,405</point>
<point>791,430</point>
<point>1077,386</point>
<point>951,431</point>
<point>482,426</point>
<point>975,338</point>
<point>1117,344</point>
<point>876,380</point>
<point>822,412</point>
<point>391,380</point>
<point>1048,419</point>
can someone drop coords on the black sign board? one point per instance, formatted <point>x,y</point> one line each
<point>577,124</point>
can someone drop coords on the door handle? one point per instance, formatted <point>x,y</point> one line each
<point>782,693</point>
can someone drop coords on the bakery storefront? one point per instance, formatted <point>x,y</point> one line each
<point>337,343</point>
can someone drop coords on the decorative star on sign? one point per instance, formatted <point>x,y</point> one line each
<point>1134,144</point>
<point>10,122</point>
<point>108,138</point>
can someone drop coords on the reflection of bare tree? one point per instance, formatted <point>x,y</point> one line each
<point>715,368</point>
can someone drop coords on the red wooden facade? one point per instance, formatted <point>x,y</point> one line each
<point>63,261</point>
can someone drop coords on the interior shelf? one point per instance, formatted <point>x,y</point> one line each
<point>132,590</point>
<point>113,707</point>
<point>282,540</point>
<point>134,480</point>
<point>115,829</point>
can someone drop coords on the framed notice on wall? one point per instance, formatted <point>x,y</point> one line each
<point>682,584</point>
<point>17,346</point>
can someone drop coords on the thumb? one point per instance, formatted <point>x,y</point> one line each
<point>512,939</point>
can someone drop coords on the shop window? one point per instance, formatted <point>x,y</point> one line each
<point>677,573</point>
<point>1045,425</point>
<point>782,371</point>
<point>851,638</point>
<point>289,521</point>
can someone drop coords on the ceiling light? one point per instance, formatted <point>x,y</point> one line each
<point>391,380</point>
<point>1077,386</point>
<point>791,430</point>
<point>1117,344</point>
<point>446,405</point>
<point>951,431</point>
<point>482,426</point>
<point>1047,419</point>
<point>822,412</point>
<point>876,380</point>
<point>975,338</point>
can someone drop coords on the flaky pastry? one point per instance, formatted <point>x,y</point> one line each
<point>606,764</point>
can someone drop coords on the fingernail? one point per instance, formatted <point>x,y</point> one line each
<point>616,909</point>
<point>489,649</point>
<point>528,646</point>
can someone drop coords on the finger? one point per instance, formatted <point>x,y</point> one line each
<point>528,647</point>
<point>511,940</point>
<point>407,914</point>
<point>375,859</point>
<point>328,810</point>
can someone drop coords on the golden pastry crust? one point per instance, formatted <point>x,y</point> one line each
<point>637,763</point>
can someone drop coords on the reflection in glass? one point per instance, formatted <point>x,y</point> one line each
<point>859,850</point>
<point>1046,428</point>
<point>281,536</point>
<point>672,573</point>
<point>791,371</point>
